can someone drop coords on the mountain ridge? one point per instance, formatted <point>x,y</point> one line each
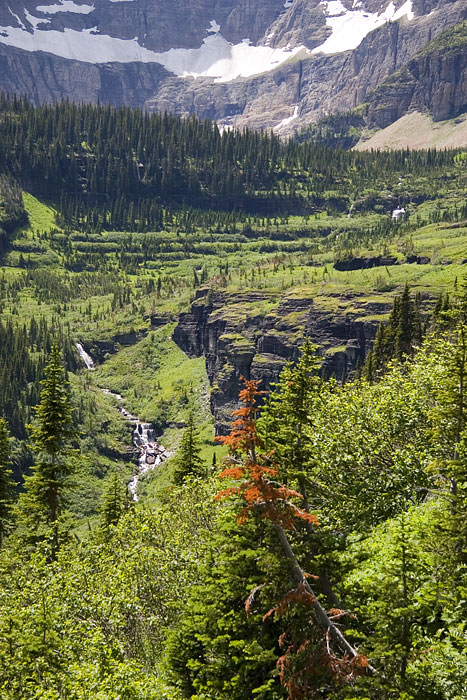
<point>278,65</point>
<point>433,83</point>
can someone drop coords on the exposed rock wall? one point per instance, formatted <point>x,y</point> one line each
<point>160,25</point>
<point>321,84</point>
<point>308,86</point>
<point>43,77</point>
<point>435,82</point>
<point>253,334</point>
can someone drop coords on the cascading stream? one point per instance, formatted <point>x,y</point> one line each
<point>151,453</point>
<point>87,359</point>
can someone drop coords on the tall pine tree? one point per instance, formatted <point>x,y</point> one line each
<point>42,504</point>
<point>115,500</point>
<point>188,460</point>
<point>397,338</point>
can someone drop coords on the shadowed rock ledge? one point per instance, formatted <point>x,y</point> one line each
<point>254,333</point>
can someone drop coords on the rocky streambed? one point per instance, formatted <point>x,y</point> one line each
<point>143,437</point>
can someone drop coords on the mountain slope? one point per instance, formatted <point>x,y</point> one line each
<point>264,64</point>
<point>422,104</point>
<point>417,130</point>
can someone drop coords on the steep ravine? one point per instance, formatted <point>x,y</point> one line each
<point>143,438</point>
<point>253,334</point>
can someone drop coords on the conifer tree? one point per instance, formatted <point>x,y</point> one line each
<point>43,501</point>
<point>114,501</point>
<point>404,331</point>
<point>443,312</point>
<point>316,650</point>
<point>6,482</point>
<point>289,409</point>
<point>216,650</point>
<point>395,339</point>
<point>188,460</point>
<point>451,413</point>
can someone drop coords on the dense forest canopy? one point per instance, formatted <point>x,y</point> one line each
<point>119,168</point>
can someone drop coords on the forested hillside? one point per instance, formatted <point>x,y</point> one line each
<point>316,549</point>
<point>127,170</point>
<point>12,213</point>
<point>196,598</point>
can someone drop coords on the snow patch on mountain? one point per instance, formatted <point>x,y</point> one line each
<point>215,58</point>
<point>35,21</point>
<point>334,7</point>
<point>16,18</point>
<point>214,27</point>
<point>350,27</point>
<point>405,10</point>
<point>65,6</point>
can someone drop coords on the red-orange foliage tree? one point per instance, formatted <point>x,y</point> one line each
<point>323,649</point>
<point>253,472</point>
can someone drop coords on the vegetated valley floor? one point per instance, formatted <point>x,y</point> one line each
<point>129,303</point>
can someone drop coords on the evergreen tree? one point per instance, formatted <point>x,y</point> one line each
<point>443,312</point>
<point>114,501</point>
<point>315,650</point>
<point>217,650</point>
<point>397,338</point>
<point>288,410</point>
<point>6,482</point>
<point>188,460</point>
<point>405,331</point>
<point>42,505</point>
<point>450,415</point>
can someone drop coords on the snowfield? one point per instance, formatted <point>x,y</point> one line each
<point>350,27</point>
<point>216,57</point>
<point>65,6</point>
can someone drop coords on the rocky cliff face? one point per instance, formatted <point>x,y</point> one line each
<point>158,26</point>
<point>46,78</point>
<point>265,64</point>
<point>433,81</point>
<point>253,334</point>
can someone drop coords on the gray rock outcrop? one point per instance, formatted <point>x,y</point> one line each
<point>238,338</point>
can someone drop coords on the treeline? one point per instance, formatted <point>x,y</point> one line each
<point>119,214</point>
<point>49,285</point>
<point>121,168</point>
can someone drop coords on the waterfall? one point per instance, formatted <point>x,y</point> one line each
<point>87,359</point>
<point>151,453</point>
